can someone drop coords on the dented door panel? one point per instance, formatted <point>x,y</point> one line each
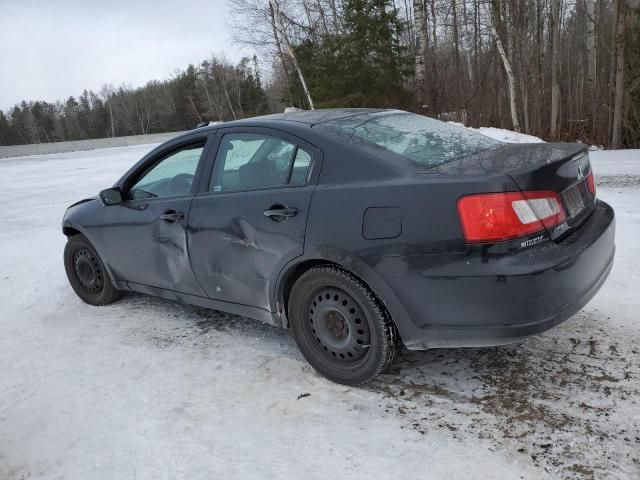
<point>144,248</point>
<point>237,250</point>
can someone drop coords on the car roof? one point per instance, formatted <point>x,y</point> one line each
<point>313,117</point>
<point>299,117</point>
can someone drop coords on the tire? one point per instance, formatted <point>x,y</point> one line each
<point>86,273</point>
<point>341,328</point>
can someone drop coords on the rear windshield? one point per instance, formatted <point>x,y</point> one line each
<point>422,140</point>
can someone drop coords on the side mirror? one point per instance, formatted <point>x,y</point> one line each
<point>111,196</point>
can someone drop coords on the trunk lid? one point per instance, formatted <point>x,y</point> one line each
<point>559,167</point>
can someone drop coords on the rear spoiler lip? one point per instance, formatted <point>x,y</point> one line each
<point>510,159</point>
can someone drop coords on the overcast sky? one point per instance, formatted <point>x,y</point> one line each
<point>51,49</point>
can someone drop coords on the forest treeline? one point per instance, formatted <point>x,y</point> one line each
<point>559,69</point>
<point>215,90</point>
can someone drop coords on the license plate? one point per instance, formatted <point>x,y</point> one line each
<point>573,200</point>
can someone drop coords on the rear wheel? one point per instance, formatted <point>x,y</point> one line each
<point>340,326</point>
<point>86,273</point>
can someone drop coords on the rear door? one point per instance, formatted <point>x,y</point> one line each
<point>250,218</point>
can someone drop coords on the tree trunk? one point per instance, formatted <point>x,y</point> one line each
<point>456,49</point>
<point>511,80</point>
<point>239,92</point>
<point>539,64</point>
<point>112,121</point>
<point>334,15</point>
<point>618,104</point>
<point>323,19</point>
<point>195,109</point>
<point>591,44</point>
<point>592,69</point>
<point>525,102</point>
<point>212,106</point>
<point>476,36</point>
<point>612,68</point>
<point>555,59</point>
<point>283,34</point>
<point>435,84</point>
<point>421,49</point>
<point>226,94</point>
<point>283,62</point>
<point>592,82</point>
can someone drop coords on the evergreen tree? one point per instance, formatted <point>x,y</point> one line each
<point>363,66</point>
<point>6,131</point>
<point>251,91</point>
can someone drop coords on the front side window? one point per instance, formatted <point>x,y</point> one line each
<point>172,176</point>
<point>247,161</point>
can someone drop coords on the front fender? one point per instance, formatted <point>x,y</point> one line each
<point>85,217</point>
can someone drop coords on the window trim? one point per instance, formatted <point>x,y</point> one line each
<point>312,150</point>
<point>147,164</point>
<point>292,163</point>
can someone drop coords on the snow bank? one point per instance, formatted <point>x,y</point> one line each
<point>502,134</point>
<point>615,162</point>
<point>507,135</point>
<point>605,162</point>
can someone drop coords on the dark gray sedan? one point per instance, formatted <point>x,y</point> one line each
<point>357,229</point>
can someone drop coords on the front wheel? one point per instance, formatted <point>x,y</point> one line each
<point>340,326</point>
<point>86,273</point>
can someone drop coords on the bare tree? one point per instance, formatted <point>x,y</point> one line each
<point>619,93</point>
<point>590,42</point>
<point>106,92</point>
<point>218,71</point>
<point>511,79</point>
<point>554,26</point>
<point>284,36</point>
<point>281,56</point>
<point>420,48</point>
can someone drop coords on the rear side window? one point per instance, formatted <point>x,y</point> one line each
<point>424,141</point>
<point>247,161</point>
<point>301,166</point>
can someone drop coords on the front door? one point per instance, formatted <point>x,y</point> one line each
<point>251,220</point>
<point>145,235</point>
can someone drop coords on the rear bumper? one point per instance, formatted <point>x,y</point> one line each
<point>483,299</point>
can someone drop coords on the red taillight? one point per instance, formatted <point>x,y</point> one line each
<point>591,183</point>
<point>494,217</point>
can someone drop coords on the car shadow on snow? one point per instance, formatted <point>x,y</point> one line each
<point>193,325</point>
<point>564,400</point>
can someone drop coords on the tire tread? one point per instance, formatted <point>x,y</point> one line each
<point>380,313</point>
<point>109,294</point>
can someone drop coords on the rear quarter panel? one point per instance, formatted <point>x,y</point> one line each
<point>430,230</point>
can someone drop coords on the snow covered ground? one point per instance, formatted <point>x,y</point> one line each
<point>150,389</point>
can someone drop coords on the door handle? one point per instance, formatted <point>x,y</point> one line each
<point>278,213</point>
<point>171,216</point>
